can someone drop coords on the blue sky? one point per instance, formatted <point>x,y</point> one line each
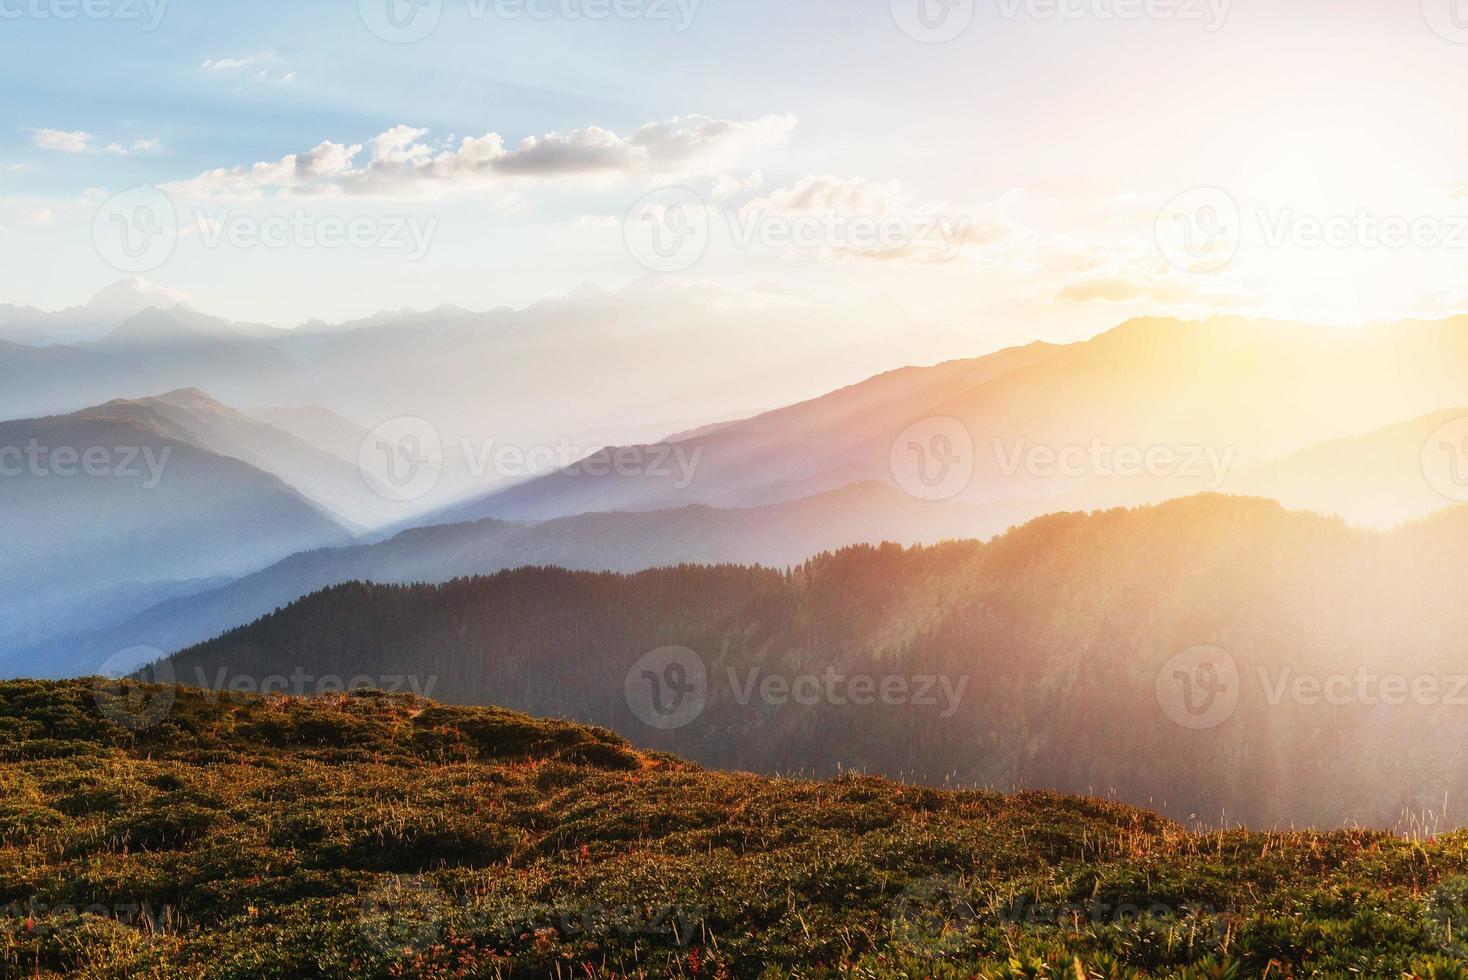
<point>1057,138</point>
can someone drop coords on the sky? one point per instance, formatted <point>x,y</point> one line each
<point>1013,169</point>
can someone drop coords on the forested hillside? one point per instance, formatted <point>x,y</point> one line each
<point>1040,660</point>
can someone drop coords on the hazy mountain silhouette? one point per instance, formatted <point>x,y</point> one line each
<point>91,321</point>
<point>779,536</point>
<point>1378,479</point>
<point>1059,637</point>
<point>623,361</point>
<point>192,416</point>
<point>99,508</point>
<point>1246,391</point>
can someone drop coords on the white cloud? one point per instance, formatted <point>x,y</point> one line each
<point>138,146</point>
<point>62,141</point>
<point>82,142</point>
<point>227,64</point>
<point>726,186</point>
<point>400,163</point>
<point>264,67</point>
<point>820,195</point>
<point>915,231</point>
<point>598,222</point>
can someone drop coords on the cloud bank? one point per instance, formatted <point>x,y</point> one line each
<point>400,163</point>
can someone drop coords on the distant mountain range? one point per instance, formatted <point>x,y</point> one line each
<point>778,535</point>
<point>97,318</point>
<point>592,368</point>
<point>1379,479</point>
<point>122,504</point>
<point>1054,656</point>
<point>333,481</point>
<point>269,503</point>
<point>1216,399</point>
